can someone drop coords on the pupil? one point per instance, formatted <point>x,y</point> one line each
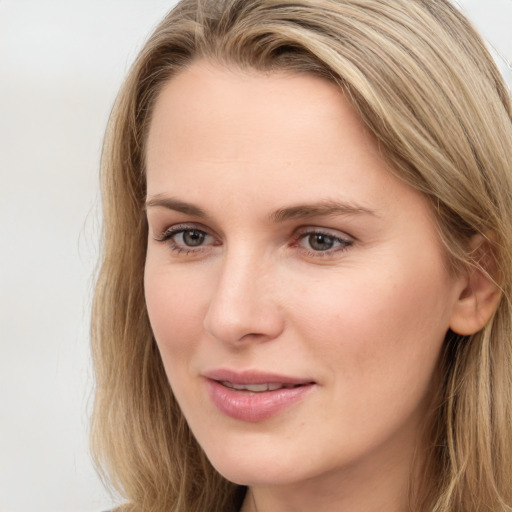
<point>193,238</point>
<point>320,242</point>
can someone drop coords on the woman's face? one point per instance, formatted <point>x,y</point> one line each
<point>297,289</point>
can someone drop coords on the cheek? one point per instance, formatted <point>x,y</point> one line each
<point>176,308</point>
<point>378,329</point>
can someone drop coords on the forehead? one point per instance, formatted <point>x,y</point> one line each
<point>206,96</point>
<point>209,113</point>
<point>222,135</point>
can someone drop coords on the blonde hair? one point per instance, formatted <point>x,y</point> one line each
<point>427,88</point>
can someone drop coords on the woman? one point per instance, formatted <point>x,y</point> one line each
<point>304,301</point>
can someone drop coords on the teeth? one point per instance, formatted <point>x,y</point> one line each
<point>256,388</point>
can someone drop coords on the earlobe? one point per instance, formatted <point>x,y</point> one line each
<point>480,295</point>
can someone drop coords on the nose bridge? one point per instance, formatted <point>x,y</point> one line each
<point>243,304</point>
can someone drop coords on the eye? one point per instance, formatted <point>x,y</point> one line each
<point>190,237</point>
<point>186,238</point>
<point>322,242</point>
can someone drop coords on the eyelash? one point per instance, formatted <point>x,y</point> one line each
<point>343,243</point>
<point>168,237</point>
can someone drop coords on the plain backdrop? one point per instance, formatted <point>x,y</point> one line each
<point>61,63</point>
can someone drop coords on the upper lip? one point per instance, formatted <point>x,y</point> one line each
<point>254,377</point>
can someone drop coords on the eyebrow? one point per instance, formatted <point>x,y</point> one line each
<point>320,209</point>
<point>176,205</point>
<point>301,211</point>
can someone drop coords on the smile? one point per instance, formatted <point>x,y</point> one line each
<point>255,396</point>
<point>258,388</point>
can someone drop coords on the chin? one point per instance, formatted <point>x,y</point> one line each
<point>255,466</point>
<point>245,474</point>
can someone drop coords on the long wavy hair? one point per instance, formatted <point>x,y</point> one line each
<point>427,88</point>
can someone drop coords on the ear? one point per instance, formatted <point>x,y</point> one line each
<point>480,295</point>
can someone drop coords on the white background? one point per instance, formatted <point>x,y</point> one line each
<point>61,63</point>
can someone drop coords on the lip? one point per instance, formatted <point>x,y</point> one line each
<point>254,406</point>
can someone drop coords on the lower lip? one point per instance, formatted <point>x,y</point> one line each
<point>253,407</point>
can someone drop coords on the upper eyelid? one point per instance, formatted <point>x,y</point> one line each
<point>184,226</point>
<point>297,234</point>
<point>335,233</point>
<point>168,234</point>
<point>343,240</point>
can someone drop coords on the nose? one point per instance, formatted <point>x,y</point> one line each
<point>244,304</point>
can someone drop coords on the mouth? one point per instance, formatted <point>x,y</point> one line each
<point>258,388</point>
<point>255,380</point>
<point>254,396</point>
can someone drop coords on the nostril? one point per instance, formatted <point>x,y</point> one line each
<point>242,308</point>
<point>244,325</point>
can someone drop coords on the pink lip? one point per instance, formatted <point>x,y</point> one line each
<point>254,406</point>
